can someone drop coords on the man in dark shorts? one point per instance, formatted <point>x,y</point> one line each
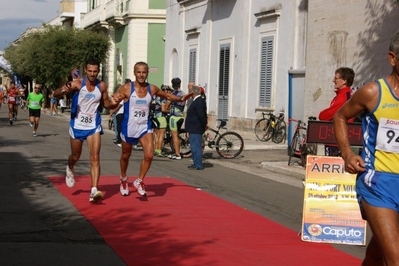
<point>35,102</point>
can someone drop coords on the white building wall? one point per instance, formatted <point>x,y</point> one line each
<point>137,48</point>
<point>80,10</point>
<point>354,34</point>
<point>235,22</point>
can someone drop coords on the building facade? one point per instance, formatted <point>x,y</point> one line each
<point>244,52</point>
<point>353,34</point>
<point>136,29</point>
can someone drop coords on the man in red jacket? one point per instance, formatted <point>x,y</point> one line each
<point>343,79</point>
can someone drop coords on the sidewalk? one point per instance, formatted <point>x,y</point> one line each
<point>268,155</point>
<point>275,157</point>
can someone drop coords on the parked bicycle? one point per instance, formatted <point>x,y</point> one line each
<point>273,128</point>
<point>111,122</point>
<point>299,148</point>
<point>228,144</point>
<point>183,140</point>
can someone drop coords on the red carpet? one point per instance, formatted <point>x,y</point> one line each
<point>180,225</point>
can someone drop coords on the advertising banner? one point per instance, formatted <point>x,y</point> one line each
<point>331,213</point>
<point>4,64</point>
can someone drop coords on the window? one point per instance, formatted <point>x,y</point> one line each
<point>224,77</point>
<point>266,72</point>
<point>192,65</point>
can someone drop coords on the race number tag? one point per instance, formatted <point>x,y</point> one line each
<point>11,99</point>
<point>34,103</point>
<point>388,135</point>
<point>86,120</point>
<point>140,115</point>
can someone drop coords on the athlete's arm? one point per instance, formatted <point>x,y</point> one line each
<point>363,99</point>
<point>168,96</point>
<point>70,86</point>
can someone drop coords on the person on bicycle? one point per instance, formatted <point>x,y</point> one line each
<point>176,118</point>
<point>159,121</point>
<point>342,80</point>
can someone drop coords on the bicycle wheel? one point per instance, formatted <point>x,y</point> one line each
<point>292,148</point>
<point>185,150</point>
<point>304,154</point>
<point>280,132</point>
<point>229,145</point>
<point>311,149</point>
<point>184,144</point>
<point>263,129</point>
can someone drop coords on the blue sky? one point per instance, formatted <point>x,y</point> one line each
<point>18,15</point>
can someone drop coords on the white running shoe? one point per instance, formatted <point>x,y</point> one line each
<point>124,188</point>
<point>174,157</point>
<point>96,196</point>
<point>69,177</point>
<point>139,185</point>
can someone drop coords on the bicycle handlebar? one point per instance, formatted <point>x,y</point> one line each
<point>300,122</point>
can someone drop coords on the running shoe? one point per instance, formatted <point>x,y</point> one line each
<point>96,196</point>
<point>174,157</point>
<point>69,177</point>
<point>10,121</point>
<point>124,188</point>
<point>160,154</point>
<point>31,124</point>
<point>34,134</point>
<point>137,147</point>
<point>139,185</point>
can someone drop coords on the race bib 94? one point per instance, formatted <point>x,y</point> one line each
<point>388,135</point>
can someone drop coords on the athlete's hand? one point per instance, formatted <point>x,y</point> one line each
<point>67,87</point>
<point>354,164</point>
<point>186,96</point>
<point>117,97</point>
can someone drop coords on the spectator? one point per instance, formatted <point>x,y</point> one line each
<point>176,118</point>
<point>53,103</point>
<point>343,79</point>
<point>196,124</point>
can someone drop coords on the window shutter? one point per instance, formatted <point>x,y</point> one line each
<point>266,72</point>
<point>224,74</point>
<point>192,65</point>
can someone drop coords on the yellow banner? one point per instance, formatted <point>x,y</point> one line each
<point>331,212</point>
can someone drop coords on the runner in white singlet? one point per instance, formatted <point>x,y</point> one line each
<point>136,123</point>
<point>85,122</point>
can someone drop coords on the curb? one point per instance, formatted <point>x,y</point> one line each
<point>283,168</point>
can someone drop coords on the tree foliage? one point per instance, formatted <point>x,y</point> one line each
<point>49,55</point>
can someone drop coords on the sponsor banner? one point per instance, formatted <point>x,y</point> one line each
<point>17,80</point>
<point>331,212</point>
<point>4,64</point>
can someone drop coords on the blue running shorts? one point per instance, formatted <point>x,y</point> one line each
<point>134,141</point>
<point>379,189</point>
<point>83,134</point>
